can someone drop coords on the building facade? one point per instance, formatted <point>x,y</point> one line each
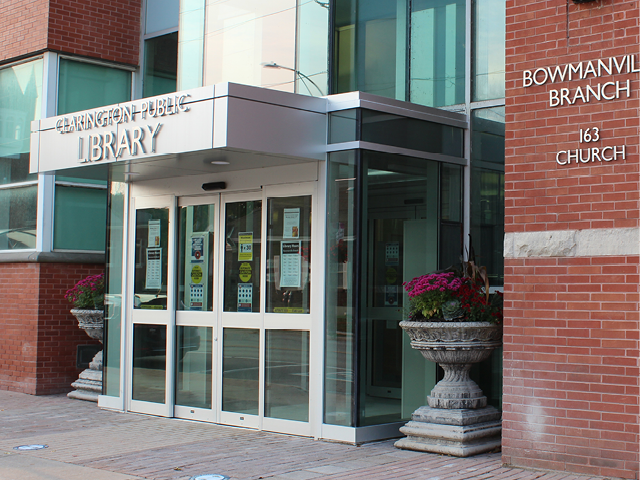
<point>274,171</point>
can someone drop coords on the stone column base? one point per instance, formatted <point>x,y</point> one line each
<point>457,432</point>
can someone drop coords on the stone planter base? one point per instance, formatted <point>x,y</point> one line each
<point>89,383</point>
<point>457,432</point>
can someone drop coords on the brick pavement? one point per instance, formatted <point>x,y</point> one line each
<point>88,443</point>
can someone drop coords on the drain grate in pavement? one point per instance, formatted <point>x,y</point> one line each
<point>210,476</point>
<point>31,447</point>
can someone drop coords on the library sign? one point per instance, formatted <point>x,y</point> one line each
<point>606,89</point>
<point>125,132</point>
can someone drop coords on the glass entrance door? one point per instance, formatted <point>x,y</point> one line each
<point>266,316</point>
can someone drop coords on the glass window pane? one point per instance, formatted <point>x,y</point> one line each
<point>80,218</point>
<point>289,255</point>
<point>488,49</point>
<point>313,48</point>
<point>340,294</point>
<point>191,44</point>
<point>20,103</point>
<point>195,258</point>
<point>451,231</point>
<point>487,190</point>
<point>343,126</point>
<point>18,218</point>
<point>160,65</point>
<point>399,242</point>
<point>150,280</point>
<point>287,375</point>
<point>241,370</point>
<point>437,52</point>
<point>253,42</point>
<point>161,15</point>
<point>370,46</point>
<point>193,372</point>
<point>86,85</point>
<point>242,238</point>
<point>149,363</point>
<point>113,296</point>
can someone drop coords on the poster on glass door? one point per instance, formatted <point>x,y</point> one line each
<point>290,260</point>
<point>291,223</point>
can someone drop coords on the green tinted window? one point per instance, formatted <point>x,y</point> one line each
<point>86,85</point>
<point>18,218</point>
<point>79,218</point>
<point>488,49</point>
<point>160,65</point>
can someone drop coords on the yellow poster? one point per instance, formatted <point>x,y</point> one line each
<point>245,272</point>
<point>245,246</point>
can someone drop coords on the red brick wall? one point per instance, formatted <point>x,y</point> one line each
<point>571,355</point>
<point>93,28</point>
<point>39,336</point>
<point>106,30</point>
<point>23,24</point>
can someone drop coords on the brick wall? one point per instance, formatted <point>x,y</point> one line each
<point>106,30</point>
<point>40,337</point>
<point>571,356</point>
<point>23,24</point>
<point>93,28</point>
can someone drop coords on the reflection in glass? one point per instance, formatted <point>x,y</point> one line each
<point>488,49</point>
<point>160,65</point>
<point>487,190</point>
<point>241,370</point>
<point>287,375</point>
<point>195,258</point>
<point>340,294</point>
<point>152,242</point>
<point>313,48</point>
<point>451,231</point>
<point>18,218</point>
<point>149,363</point>
<point>191,44</point>
<point>113,295</point>
<point>289,255</point>
<point>242,239</point>
<point>437,52</point>
<point>193,370</point>
<point>86,85</point>
<point>244,35</point>
<point>20,103</point>
<point>368,36</point>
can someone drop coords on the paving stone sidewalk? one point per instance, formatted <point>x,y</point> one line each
<point>86,443</point>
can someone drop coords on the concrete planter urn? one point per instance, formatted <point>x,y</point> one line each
<point>89,383</point>
<point>457,420</point>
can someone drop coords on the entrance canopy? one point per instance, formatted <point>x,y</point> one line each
<point>199,131</point>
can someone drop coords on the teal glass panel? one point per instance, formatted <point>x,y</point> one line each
<point>149,363</point>
<point>437,59</point>
<point>193,370</point>
<point>488,65</point>
<point>113,295</point>
<point>287,375</point>
<point>191,44</point>
<point>451,201</point>
<point>343,126</point>
<point>83,86</point>
<point>370,47</point>
<point>18,218</point>
<point>20,103</point>
<point>195,258</point>
<point>313,48</point>
<point>80,217</point>
<point>487,190</point>
<point>241,370</point>
<point>340,297</point>
<point>160,65</point>
<point>152,242</point>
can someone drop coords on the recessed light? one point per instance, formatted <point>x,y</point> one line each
<point>219,162</point>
